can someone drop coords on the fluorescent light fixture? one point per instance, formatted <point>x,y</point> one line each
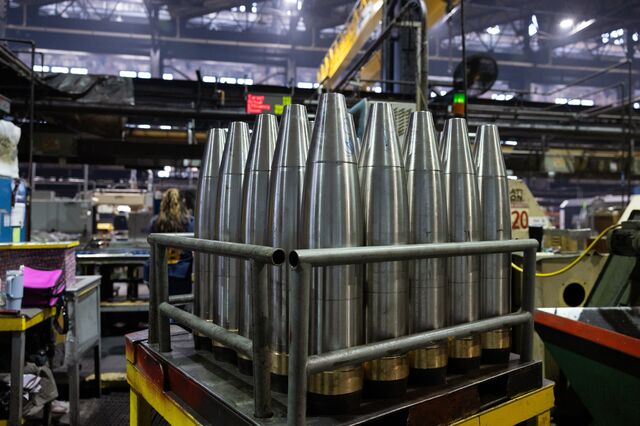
<point>495,30</point>
<point>144,74</point>
<point>574,102</point>
<point>511,142</point>
<point>165,127</point>
<point>533,26</point>
<point>443,92</point>
<point>123,208</point>
<point>566,23</point>
<point>143,126</point>
<point>377,89</point>
<point>254,9</point>
<point>242,8</point>
<point>208,79</point>
<point>512,177</point>
<point>587,102</point>
<point>61,70</point>
<point>304,85</point>
<point>228,80</point>
<point>316,85</point>
<point>168,169</point>
<point>129,74</point>
<point>41,68</point>
<point>636,105</point>
<point>634,36</point>
<point>167,76</point>
<point>79,71</point>
<point>561,101</point>
<point>246,81</point>
<point>581,26</point>
<point>433,94</point>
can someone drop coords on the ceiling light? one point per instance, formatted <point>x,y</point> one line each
<point>228,80</point>
<point>79,71</point>
<point>566,23</point>
<point>165,127</point>
<point>495,30</point>
<point>561,101</point>
<point>144,74</point>
<point>304,85</point>
<point>634,36</point>
<point>533,26</point>
<point>144,126</point>
<point>511,143</point>
<point>208,79</point>
<point>587,102</point>
<point>636,105</point>
<point>61,70</point>
<point>254,9</point>
<point>242,8</point>
<point>129,74</point>
<point>167,76</point>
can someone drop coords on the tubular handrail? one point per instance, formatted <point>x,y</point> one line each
<point>370,254</point>
<point>270,255</point>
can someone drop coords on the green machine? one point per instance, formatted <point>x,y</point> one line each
<point>597,347</point>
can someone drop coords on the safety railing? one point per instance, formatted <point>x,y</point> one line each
<point>161,311</point>
<point>301,365</point>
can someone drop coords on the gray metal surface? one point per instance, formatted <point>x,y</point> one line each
<point>255,204</point>
<point>427,223</point>
<point>463,218</point>
<point>285,195</point>
<point>386,216</point>
<point>205,208</point>
<point>495,294</point>
<point>332,216</point>
<point>228,225</point>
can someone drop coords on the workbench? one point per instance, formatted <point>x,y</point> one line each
<point>105,260</point>
<point>189,387</point>
<point>18,325</point>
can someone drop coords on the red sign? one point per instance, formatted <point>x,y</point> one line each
<point>256,104</point>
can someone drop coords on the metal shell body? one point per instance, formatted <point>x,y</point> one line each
<point>493,188</point>
<point>255,203</point>
<point>285,198</point>
<point>463,218</point>
<point>427,222</point>
<point>228,224</point>
<point>386,214</point>
<point>332,217</point>
<point>205,210</point>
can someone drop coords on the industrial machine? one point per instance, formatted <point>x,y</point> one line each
<point>596,347</point>
<point>13,210</point>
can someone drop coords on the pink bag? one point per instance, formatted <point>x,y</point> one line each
<point>42,288</point>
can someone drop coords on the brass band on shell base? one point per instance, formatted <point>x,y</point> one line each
<point>428,358</point>
<point>335,392</point>
<point>464,354</point>
<point>336,382</point>
<point>279,371</point>
<point>496,346</point>
<point>496,339</point>
<point>386,377</point>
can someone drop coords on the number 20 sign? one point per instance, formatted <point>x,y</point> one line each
<point>519,219</point>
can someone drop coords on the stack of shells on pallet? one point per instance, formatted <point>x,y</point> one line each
<point>309,184</point>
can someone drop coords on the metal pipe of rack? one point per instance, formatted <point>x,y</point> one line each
<point>301,365</point>
<point>160,307</point>
<point>344,357</point>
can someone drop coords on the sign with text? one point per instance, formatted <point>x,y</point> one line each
<point>258,103</point>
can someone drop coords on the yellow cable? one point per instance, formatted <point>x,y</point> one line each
<point>575,261</point>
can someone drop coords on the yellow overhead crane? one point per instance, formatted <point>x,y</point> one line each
<point>362,22</point>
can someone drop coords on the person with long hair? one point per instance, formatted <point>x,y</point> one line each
<point>174,217</point>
